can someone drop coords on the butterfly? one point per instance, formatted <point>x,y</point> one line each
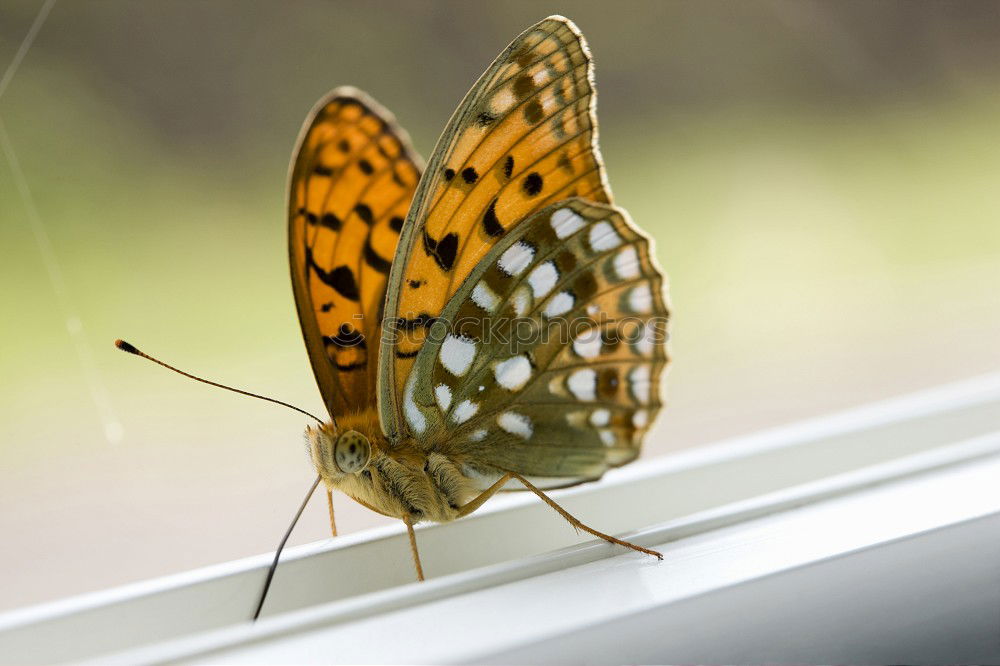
<point>487,322</point>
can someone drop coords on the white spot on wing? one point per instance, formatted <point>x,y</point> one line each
<point>603,237</point>
<point>543,278</point>
<point>503,100</point>
<point>442,393</point>
<point>640,299</point>
<point>559,304</point>
<point>457,354</point>
<point>583,384</point>
<point>513,373</point>
<point>478,435</point>
<point>464,411</point>
<point>627,263</point>
<point>639,383</point>
<point>565,222</point>
<point>413,414</point>
<point>522,301</point>
<point>647,341</point>
<point>588,343</point>
<point>515,424</point>
<point>640,419</point>
<point>516,258</point>
<point>608,437</point>
<point>485,297</point>
<point>600,417</point>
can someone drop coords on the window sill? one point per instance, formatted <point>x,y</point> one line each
<point>860,537</point>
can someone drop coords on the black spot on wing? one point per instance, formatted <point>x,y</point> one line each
<point>321,170</point>
<point>485,118</point>
<point>344,145</point>
<point>396,223</point>
<point>491,223</point>
<point>343,282</point>
<point>533,184</point>
<point>469,175</point>
<point>565,262</point>
<point>585,286</point>
<point>449,174</point>
<point>522,56</point>
<point>447,250</point>
<point>524,85</point>
<point>508,166</point>
<point>607,383</point>
<point>330,221</point>
<point>364,212</point>
<point>366,167</point>
<point>340,279</point>
<point>373,259</point>
<point>564,162</point>
<point>533,112</point>
<point>311,217</point>
<point>443,251</point>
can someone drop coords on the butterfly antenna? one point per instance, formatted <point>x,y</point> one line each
<point>281,546</point>
<point>126,347</point>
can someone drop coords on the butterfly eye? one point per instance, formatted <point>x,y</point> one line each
<point>352,451</point>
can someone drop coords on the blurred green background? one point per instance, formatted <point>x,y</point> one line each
<point>822,180</point>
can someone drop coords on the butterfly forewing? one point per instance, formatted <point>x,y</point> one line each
<point>547,361</point>
<point>352,179</point>
<point>524,137</point>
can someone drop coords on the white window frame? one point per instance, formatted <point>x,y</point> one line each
<point>866,536</point>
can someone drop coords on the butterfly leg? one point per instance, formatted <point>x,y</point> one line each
<point>329,505</point>
<point>474,504</point>
<point>577,524</point>
<point>413,547</point>
<point>466,509</point>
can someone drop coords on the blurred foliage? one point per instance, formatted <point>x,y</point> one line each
<point>821,179</point>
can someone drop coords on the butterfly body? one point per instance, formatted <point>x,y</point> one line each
<point>399,480</point>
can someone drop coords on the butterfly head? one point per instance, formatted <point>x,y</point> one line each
<point>337,453</point>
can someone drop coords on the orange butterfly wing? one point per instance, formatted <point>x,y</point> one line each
<point>525,136</point>
<point>353,175</point>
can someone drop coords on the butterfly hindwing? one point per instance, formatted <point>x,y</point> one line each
<point>547,360</point>
<point>352,178</point>
<point>524,137</point>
